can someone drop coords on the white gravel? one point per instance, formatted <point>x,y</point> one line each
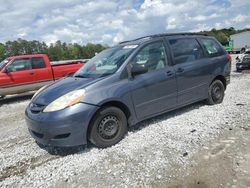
<point>159,149</point>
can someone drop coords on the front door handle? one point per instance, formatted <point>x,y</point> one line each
<point>180,70</point>
<point>32,73</point>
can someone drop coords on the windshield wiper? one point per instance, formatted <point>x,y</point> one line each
<point>80,76</point>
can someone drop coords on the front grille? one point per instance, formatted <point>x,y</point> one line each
<point>246,60</point>
<point>36,108</point>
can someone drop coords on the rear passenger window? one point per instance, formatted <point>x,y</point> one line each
<point>212,47</point>
<point>37,63</point>
<point>185,50</point>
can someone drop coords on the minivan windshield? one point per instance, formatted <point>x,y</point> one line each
<point>3,63</point>
<point>105,63</point>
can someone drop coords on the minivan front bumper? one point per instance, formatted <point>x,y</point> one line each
<point>64,128</point>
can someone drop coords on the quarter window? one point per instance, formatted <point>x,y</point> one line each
<point>152,57</point>
<point>212,47</point>
<point>185,50</point>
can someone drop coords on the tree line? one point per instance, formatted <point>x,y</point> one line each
<point>62,51</point>
<point>56,51</point>
<point>223,35</point>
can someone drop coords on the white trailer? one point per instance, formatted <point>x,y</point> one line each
<point>240,42</point>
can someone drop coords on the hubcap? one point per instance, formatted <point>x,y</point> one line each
<point>108,127</point>
<point>216,93</point>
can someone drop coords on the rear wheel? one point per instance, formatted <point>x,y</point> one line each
<point>238,70</point>
<point>216,93</point>
<point>108,127</point>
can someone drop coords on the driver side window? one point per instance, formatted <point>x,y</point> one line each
<point>20,65</point>
<point>152,57</point>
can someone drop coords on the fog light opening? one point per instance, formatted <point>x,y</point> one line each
<point>61,136</point>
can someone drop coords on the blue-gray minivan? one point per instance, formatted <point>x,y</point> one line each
<point>125,84</point>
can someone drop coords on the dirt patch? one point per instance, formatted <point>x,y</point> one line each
<point>20,168</point>
<point>224,163</point>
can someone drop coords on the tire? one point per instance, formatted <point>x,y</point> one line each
<point>108,127</point>
<point>2,96</point>
<point>216,93</point>
<point>238,70</point>
<point>40,145</point>
<point>242,50</point>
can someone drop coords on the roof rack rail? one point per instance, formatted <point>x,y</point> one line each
<point>124,41</point>
<point>171,34</point>
<point>145,37</point>
<point>162,35</point>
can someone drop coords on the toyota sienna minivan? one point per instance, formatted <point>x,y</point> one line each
<point>125,84</point>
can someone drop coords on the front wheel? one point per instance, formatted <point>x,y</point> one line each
<point>108,127</point>
<point>216,93</point>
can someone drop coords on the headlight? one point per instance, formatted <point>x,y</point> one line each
<point>65,101</point>
<point>38,91</point>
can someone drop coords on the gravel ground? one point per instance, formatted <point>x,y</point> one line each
<point>156,153</point>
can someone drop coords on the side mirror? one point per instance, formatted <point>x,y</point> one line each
<point>7,70</point>
<point>138,69</point>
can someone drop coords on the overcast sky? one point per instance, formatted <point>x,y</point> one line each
<point>111,21</point>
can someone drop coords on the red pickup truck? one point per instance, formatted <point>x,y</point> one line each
<point>19,74</point>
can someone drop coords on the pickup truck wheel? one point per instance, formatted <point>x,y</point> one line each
<point>108,127</point>
<point>216,93</point>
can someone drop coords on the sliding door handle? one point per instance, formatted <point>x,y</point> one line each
<point>180,70</point>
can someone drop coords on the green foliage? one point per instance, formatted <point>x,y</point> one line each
<point>1,50</point>
<point>63,51</point>
<point>223,35</point>
<point>56,51</point>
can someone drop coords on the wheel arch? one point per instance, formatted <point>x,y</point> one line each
<point>119,105</point>
<point>113,103</point>
<point>222,79</point>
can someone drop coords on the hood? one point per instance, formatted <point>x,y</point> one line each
<point>62,87</point>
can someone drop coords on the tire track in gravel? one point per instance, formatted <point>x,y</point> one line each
<point>15,99</point>
<point>18,151</point>
<point>21,167</point>
<point>13,142</point>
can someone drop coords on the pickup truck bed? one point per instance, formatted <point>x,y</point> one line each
<point>20,74</point>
